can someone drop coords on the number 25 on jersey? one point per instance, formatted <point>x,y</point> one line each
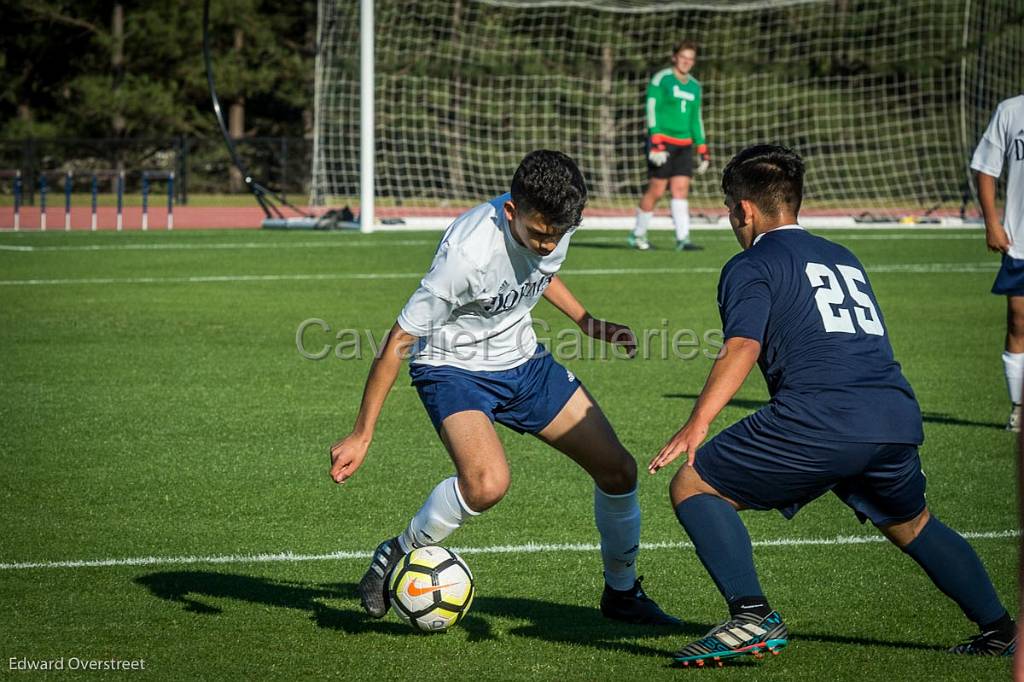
<point>836,313</point>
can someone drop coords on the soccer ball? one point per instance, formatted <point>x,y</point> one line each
<point>431,589</point>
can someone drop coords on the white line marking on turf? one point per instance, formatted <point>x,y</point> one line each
<point>913,268</point>
<point>529,548</point>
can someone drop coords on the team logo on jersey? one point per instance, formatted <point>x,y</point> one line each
<point>570,376</point>
<point>683,94</point>
<point>1018,148</point>
<point>507,300</point>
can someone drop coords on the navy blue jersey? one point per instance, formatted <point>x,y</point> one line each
<point>825,353</point>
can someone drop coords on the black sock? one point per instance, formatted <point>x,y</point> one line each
<point>1003,626</point>
<point>757,606</point>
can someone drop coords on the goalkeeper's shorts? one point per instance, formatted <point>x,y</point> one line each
<point>1010,278</point>
<point>680,162</point>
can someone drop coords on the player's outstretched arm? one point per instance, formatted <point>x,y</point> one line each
<point>620,335</point>
<point>349,452</point>
<point>995,235</point>
<point>729,372</point>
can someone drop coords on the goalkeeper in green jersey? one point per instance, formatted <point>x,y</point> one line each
<point>675,130</point>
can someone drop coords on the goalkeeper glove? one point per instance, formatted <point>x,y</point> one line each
<point>705,161</point>
<point>658,155</point>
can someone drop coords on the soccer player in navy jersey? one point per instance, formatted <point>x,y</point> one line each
<point>842,417</point>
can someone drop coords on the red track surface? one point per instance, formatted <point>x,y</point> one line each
<point>185,217</point>
<point>249,217</point>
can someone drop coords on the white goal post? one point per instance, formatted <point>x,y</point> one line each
<point>885,99</point>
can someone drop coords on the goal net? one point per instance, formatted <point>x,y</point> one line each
<point>885,100</point>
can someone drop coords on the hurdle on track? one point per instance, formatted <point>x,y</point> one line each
<point>94,185</point>
<point>68,185</point>
<point>158,175</point>
<point>42,202</point>
<point>47,183</point>
<point>16,190</point>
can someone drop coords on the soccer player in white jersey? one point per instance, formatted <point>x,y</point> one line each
<point>475,360</point>
<point>1001,147</point>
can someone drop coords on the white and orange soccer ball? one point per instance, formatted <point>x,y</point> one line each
<point>431,588</point>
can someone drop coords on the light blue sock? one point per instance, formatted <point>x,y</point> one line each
<point>618,521</point>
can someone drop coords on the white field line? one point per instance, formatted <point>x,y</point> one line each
<point>328,242</point>
<point>529,548</point>
<point>913,268</point>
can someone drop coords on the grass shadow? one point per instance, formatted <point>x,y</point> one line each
<point>602,245</point>
<point>543,620</point>
<point>928,417</point>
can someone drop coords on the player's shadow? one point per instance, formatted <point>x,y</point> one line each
<point>735,402</point>
<point>939,418</point>
<point>928,417</point>
<point>198,591</point>
<point>601,245</point>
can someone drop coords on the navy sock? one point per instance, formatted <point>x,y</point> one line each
<point>955,569</point>
<point>722,543</point>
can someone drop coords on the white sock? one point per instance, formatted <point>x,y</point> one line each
<point>1013,365</point>
<point>442,513</point>
<point>618,522</point>
<point>681,218</point>
<point>643,221</point>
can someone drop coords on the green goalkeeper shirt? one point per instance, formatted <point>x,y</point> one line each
<point>673,111</point>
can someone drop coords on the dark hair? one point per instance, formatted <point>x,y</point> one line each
<point>550,184</point>
<point>769,175</point>
<point>684,45</point>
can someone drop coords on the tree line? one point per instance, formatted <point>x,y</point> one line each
<point>103,69</point>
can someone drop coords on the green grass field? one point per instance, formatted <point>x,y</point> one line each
<point>157,413</point>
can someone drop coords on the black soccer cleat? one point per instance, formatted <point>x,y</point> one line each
<point>373,590</point>
<point>687,245</point>
<point>991,643</point>
<point>633,606</point>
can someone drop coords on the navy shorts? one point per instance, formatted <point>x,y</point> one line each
<point>525,398</point>
<point>764,467</point>
<point>1010,278</point>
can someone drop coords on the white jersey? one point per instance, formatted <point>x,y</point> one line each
<point>472,309</point>
<point>1003,143</point>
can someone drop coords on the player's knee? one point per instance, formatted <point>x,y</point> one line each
<point>684,485</point>
<point>903,533</point>
<point>618,478</point>
<point>484,489</point>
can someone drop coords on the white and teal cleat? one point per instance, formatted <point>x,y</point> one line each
<point>1013,423</point>
<point>744,635</point>
<point>639,243</point>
